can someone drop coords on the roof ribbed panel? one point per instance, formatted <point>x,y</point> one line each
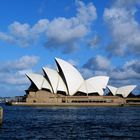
<point>70,76</point>
<point>46,85</point>
<point>87,87</point>
<point>53,78</point>
<point>93,89</point>
<point>99,81</point>
<point>112,89</point>
<point>39,81</point>
<point>83,88</point>
<point>62,86</point>
<point>125,90</point>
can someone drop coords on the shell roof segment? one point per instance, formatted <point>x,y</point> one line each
<point>83,88</point>
<point>39,81</point>
<point>112,89</point>
<point>53,78</point>
<point>88,87</point>
<point>94,85</point>
<point>99,81</point>
<point>61,86</point>
<point>70,75</point>
<point>125,90</point>
<point>46,85</point>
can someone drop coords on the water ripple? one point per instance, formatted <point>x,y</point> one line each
<point>85,123</point>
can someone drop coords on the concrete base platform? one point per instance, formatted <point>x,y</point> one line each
<point>65,104</point>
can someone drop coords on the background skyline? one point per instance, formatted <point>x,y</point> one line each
<point>98,37</point>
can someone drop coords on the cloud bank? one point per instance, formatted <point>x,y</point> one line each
<point>124,28</point>
<point>13,72</point>
<point>59,33</point>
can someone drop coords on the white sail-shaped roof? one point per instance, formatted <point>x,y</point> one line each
<point>87,87</point>
<point>53,78</point>
<point>61,86</point>
<point>70,76</point>
<point>93,89</point>
<point>39,81</point>
<point>95,85</point>
<point>112,89</point>
<point>46,85</point>
<point>99,81</point>
<point>125,90</point>
<point>83,88</point>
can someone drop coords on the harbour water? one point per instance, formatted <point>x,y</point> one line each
<point>70,123</point>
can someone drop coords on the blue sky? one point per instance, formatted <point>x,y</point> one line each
<point>99,37</point>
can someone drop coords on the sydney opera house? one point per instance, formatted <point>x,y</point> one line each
<point>66,86</point>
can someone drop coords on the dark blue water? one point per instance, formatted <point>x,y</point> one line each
<point>61,123</point>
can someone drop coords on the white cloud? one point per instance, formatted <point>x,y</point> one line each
<point>40,27</point>
<point>24,62</point>
<point>133,64</point>
<point>102,62</point>
<point>127,3</point>
<point>86,72</point>
<point>98,63</point>
<point>94,41</point>
<point>12,78</point>
<point>86,13</point>
<point>95,66</point>
<point>124,28</point>
<point>99,73</point>
<point>6,38</point>
<point>19,30</point>
<point>13,72</point>
<point>73,62</point>
<point>124,74</point>
<point>57,33</point>
<point>129,73</point>
<point>64,30</point>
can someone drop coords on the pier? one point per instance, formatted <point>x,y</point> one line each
<point>1,115</point>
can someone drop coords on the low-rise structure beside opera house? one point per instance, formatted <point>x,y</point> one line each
<point>66,86</point>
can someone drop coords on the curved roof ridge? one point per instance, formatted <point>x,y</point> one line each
<point>99,81</point>
<point>88,88</point>
<point>70,75</point>
<point>38,80</point>
<point>112,89</point>
<point>125,90</point>
<point>91,88</point>
<point>83,88</point>
<point>61,86</point>
<point>52,77</point>
<point>46,85</point>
